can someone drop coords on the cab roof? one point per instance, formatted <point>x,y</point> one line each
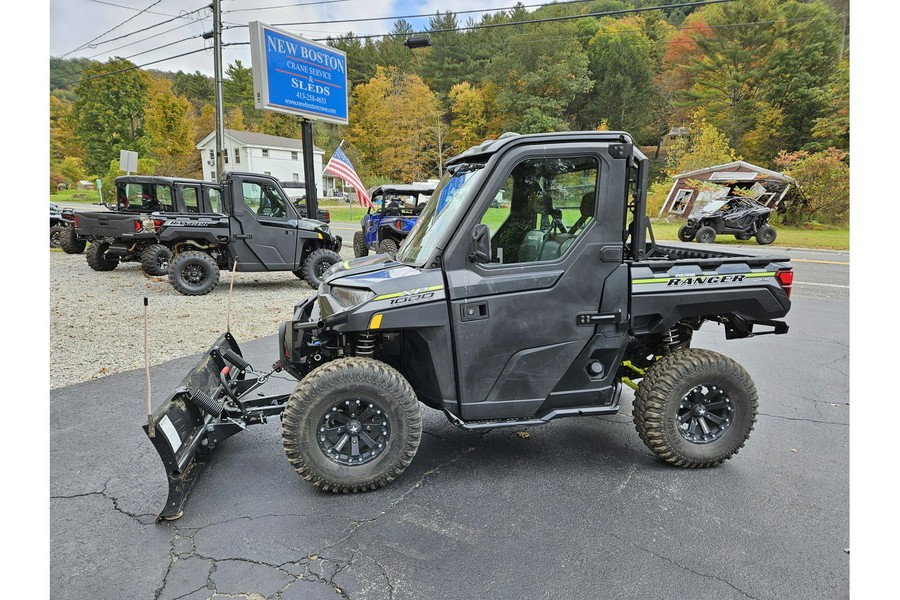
<point>489,147</point>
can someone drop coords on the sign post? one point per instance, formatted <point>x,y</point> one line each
<point>296,76</point>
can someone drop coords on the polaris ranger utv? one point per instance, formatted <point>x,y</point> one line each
<point>125,233</point>
<point>255,229</point>
<point>499,316</point>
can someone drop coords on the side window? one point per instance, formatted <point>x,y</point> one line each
<point>541,209</point>
<point>191,200</point>
<point>264,200</point>
<point>215,200</point>
<point>163,199</point>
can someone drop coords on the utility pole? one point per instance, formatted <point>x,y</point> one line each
<point>220,108</point>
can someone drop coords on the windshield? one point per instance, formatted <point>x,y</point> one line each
<point>445,203</point>
<point>712,206</point>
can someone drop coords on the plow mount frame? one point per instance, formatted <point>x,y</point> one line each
<point>209,406</point>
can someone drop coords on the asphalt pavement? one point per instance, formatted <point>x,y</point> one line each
<point>578,508</point>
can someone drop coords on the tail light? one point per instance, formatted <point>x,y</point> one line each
<point>138,226</point>
<point>399,223</point>
<point>327,215</point>
<point>157,224</point>
<point>75,220</point>
<point>786,278</point>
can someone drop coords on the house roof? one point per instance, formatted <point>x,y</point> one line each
<point>262,140</point>
<point>744,166</point>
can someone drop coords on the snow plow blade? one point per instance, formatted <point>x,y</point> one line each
<point>204,410</point>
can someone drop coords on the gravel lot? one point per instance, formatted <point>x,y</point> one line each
<point>97,319</point>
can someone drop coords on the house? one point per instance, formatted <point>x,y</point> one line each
<point>694,190</point>
<point>252,152</point>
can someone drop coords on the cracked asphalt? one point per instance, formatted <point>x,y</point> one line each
<point>577,509</point>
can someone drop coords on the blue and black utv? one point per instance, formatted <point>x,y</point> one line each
<point>391,217</point>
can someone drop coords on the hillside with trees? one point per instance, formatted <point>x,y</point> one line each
<point>766,81</point>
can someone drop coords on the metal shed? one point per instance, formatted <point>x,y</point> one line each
<point>693,190</point>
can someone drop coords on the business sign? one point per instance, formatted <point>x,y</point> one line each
<point>297,76</point>
<point>128,161</point>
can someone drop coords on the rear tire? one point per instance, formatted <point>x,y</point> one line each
<point>766,235</point>
<point>70,243</point>
<point>193,273</point>
<point>56,235</point>
<point>695,408</point>
<point>388,246</point>
<point>96,257</point>
<point>359,245</point>
<point>686,233</point>
<point>706,235</point>
<point>316,264</point>
<point>155,260</point>
<point>351,425</point>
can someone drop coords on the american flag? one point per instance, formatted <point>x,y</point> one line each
<point>340,166</point>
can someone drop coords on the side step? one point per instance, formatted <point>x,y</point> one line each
<point>585,411</point>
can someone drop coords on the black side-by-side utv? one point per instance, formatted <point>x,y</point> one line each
<point>508,315</point>
<point>741,217</point>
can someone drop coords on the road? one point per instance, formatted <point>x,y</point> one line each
<point>579,508</point>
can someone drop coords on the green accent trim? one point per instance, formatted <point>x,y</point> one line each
<point>628,365</point>
<point>630,383</point>
<point>666,279</point>
<point>433,288</point>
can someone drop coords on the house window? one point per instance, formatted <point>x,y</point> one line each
<point>265,152</point>
<point>225,154</point>
<point>296,177</point>
<point>294,156</point>
<point>212,154</point>
<point>237,156</point>
<point>681,201</point>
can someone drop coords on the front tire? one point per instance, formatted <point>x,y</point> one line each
<point>359,245</point>
<point>695,408</point>
<point>351,425</point>
<point>70,243</point>
<point>686,233</point>
<point>706,235</point>
<point>316,264</point>
<point>96,257</point>
<point>766,235</point>
<point>193,273</point>
<point>56,235</point>
<point>155,260</point>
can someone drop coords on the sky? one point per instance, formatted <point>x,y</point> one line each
<point>88,28</point>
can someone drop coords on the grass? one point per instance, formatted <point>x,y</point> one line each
<point>82,196</point>
<point>788,237</point>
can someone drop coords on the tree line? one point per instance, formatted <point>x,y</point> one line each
<point>766,81</point>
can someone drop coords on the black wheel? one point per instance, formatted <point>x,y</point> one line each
<point>359,245</point>
<point>96,257</point>
<point>766,235</point>
<point>155,260</point>
<point>193,273</point>
<point>388,246</point>
<point>742,236</point>
<point>317,263</point>
<point>706,235</point>
<point>70,243</point>
<point>686,233</point>
<point>695,408</point>
<point>351,425</point>
<point>56,235</point>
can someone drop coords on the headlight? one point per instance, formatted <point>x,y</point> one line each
<point>348,297</point>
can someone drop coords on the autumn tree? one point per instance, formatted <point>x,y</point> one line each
<point>170,131</point>
<point>108,114</point>
<point>393,121</point>
<point>468,125</point>
<point>539,80</point>
<point>833,128</point>
<point>704,146</point>
<point>824,182</point>
<point>237,91</point>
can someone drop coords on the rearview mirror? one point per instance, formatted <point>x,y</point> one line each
<point>481,242</point>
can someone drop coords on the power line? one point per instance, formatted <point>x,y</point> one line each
<point>458,12</point>
<point>295,5</point>
<point>149,12</point>
<point>134,16</point>
<point>102,75</point>
<point>149,37</point>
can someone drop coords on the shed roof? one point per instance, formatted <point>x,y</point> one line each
<point>263,140</point>
<point>745,166</point>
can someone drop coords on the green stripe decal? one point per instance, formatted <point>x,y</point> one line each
<point>433,288</point>
<point>667,279</point>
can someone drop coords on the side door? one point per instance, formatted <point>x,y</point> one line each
<point>264,226</point>
<point>189,198</point>
<point>541,326</point>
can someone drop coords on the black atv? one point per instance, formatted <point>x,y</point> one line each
<point>736,215</point>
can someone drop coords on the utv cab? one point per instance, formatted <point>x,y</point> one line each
<point>391,217</point>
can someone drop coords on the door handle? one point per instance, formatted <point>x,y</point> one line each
<point>242,236</point>
<point>474,311</point>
